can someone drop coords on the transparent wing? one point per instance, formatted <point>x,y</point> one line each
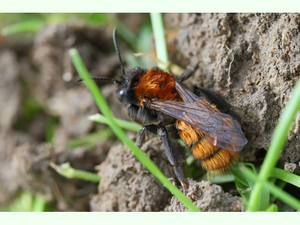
<point>220,129</point>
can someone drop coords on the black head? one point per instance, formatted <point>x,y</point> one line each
<point>125,92</point>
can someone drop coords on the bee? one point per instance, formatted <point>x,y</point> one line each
<point>163,105</point>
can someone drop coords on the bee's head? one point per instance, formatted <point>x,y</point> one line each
<point>125,91</point>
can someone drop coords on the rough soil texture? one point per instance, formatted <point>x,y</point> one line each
<point>207,197</point>
<point>31,162</point>
<point>41,67</point>
<point>252,60</point>
<point>126,185</point>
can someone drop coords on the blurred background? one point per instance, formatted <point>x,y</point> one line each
<point>43,110</point>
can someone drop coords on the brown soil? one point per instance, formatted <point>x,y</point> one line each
<point>127,186</point>
<point>252,60</point>
<point>207,197</point>
<point>41,67</point>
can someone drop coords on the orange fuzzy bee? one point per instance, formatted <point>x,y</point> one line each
<point>213,137</point>
<point>164,106</point>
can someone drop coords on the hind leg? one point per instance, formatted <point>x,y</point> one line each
<point>174,156</point>
<point>173,152</point>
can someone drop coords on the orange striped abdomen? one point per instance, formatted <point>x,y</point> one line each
<point>212,158</point>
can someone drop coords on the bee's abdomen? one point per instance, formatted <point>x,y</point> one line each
<point>212,158</point>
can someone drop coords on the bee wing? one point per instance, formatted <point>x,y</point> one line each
<point>220,129</point>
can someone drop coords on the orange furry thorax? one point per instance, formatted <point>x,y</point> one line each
<point>156,84</point>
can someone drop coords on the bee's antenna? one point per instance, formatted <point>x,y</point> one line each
<point>117,50</point>
<point>102,78</point>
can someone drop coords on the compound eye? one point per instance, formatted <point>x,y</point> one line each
<point>121,95</point>
<point>137,69</point>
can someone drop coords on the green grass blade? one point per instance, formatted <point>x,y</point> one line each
<point>38,204</point>
<point>280,184</point>
<point>219,178</point>
<point>25,201</point>
<point>244,185</point>
<point>286,176</point>
<point>21,203</point>
<point>159,37</point>
<point>104,108</point>
<point>272,208</point>
<point>282,195</point>
<point>51,126</point>
<point>276,146</point>
<point>22,27</point>
<point>128,125</point>
<point>67,171</point>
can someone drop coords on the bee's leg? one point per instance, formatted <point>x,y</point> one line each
<point>174,156</point>
<point>187,73</point>
<point>172,131</point>
<point>140,137</point>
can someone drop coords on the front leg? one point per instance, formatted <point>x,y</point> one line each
<point>140,137</point>
<point>174,156</point>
